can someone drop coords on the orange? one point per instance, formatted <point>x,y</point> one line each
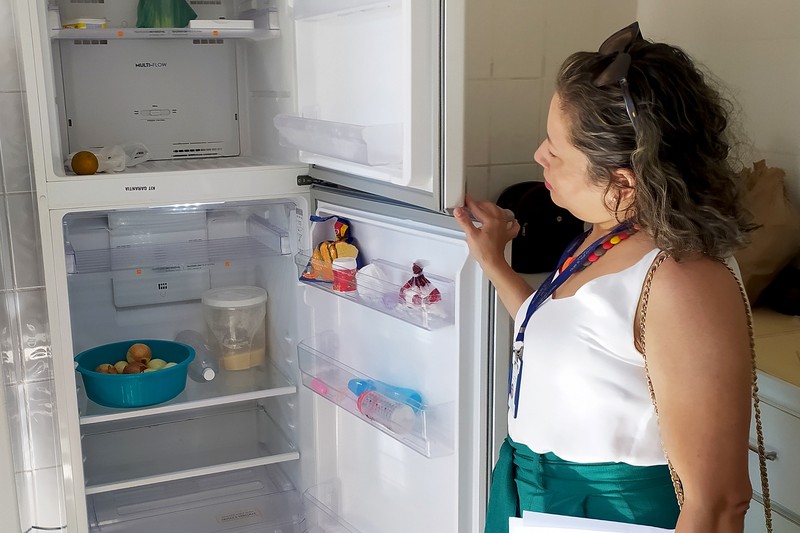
<point>84,163</point>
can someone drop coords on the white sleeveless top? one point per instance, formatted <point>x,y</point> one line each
<point>584,393</point>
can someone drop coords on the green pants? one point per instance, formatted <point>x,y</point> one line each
<point>527,481</point>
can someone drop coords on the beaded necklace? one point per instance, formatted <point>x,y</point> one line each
<point>602,248</point>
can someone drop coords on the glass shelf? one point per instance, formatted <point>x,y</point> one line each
<point>313,9</point>
<point>429,432</point>
<point>166,448</point>
<point>265,239</point>
<point>379,287</point>
<point>109,34</point>
<point>225,388</point>
<point>320,507</point>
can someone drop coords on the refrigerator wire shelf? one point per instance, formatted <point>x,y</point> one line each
<point>379,287</point>
<point>429,433</point>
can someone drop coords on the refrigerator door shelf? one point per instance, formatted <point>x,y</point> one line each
<point>321,502</point>
<point>317,9</point>
<point>373,145</point>
<point>261,498</point>
<point>430,432</point>
<point>168,448</point>
<point>226,388</point>
<point>381,287</point>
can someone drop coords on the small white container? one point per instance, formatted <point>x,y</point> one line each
<point>235,318</point>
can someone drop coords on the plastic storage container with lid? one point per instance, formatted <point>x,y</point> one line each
<point>234,318</point>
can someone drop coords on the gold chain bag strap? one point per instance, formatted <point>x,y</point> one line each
<point>762,461</point>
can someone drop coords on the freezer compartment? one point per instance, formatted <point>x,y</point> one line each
<point>373,145</point>
<point>259,499</point>
<point>398,411</point>
<point>321,507</point>
<point>311,9</point>
<point>167,447</point>
<point>225,388</point>
<point>382,285</point>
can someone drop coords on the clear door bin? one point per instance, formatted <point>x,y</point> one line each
<point>236,328</point>
<point>322,515</point>
<point>399,412</point>
<point>373,145</point>
<point>380,285</point>
<point>311,9</point>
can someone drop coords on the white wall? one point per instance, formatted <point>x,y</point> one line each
<point>514,48</point>
<point>754,48</point>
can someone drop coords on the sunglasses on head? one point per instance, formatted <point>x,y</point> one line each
<point>617,70</point>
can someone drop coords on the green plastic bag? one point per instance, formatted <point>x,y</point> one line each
<point>164,14</point>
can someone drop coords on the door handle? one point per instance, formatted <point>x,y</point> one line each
<point>769,455</point>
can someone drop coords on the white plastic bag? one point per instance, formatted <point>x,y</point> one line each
<point>116,158</point>
<point>135,153</point>
<point>111,159</point>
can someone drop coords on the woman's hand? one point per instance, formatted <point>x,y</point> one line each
<point>487,245</point>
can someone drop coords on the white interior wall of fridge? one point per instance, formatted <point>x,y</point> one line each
<point>307,455</point>
<point>337,93</point>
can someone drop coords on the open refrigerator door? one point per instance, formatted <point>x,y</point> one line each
<point>359,403</point>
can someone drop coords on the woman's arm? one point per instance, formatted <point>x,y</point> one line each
<point>487,245</point>
<point>698,355</point>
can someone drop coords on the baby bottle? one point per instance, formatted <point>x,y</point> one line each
<point>397,416</point>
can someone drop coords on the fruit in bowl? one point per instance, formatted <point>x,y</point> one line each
<point>156,374</point>
<point>140,353</point>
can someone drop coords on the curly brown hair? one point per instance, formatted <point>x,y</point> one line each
<point>686,191</point>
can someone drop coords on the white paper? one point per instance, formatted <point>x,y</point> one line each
<point>532,522</point>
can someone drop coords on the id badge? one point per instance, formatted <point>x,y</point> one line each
<point>515,377</point>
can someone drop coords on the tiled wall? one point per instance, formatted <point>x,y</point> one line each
<point>24,333</point>
<point>753,48</point>
<point>514,49</point>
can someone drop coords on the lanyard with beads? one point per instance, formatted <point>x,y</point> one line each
<point>548,287</point>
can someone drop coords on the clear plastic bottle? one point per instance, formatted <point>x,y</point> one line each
<point>204,367</point>
<point>398,417</point>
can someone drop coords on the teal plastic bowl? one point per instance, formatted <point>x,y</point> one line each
<point>134,390</point>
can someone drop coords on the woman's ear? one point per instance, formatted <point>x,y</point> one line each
<point>621,190</point>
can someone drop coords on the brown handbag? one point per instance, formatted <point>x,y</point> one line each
<point>762,461</point>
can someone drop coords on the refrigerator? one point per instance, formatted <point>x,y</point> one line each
<point>247,136</point>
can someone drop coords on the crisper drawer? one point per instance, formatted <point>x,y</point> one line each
<point>781,435</point>
<point>754,521</point>
<point>260,499</point>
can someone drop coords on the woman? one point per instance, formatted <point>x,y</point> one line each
<point>636,147</point>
